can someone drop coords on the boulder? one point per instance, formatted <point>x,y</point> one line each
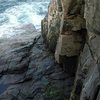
<point>69,45</point>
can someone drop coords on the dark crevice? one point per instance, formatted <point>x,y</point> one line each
<point>70,65</point>
<point>96,93</point>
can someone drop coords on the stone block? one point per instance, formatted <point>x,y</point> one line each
<point>69,45</point>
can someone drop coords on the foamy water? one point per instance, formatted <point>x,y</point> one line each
<point>20,14</point>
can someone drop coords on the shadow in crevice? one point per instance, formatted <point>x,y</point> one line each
<point>70,65</point>
<point>96,93</point>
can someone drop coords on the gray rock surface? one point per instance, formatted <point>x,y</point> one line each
<point>87,83</point>
<point>81,17</point>
<point>28,71</point>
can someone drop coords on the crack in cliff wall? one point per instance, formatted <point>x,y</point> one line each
<point>77,36</point>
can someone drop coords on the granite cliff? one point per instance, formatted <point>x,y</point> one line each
<point>71,30</point>
<point>63,63</point>
<point>28,70</point>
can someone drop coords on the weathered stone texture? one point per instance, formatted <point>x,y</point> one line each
<point>92,15</point>
<point>61,22</point>
<point>53,25</point>
<point>77,34</point>
<point>69,45</point>
<point>88,72</point>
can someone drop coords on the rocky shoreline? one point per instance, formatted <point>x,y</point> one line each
<point>62,63</point>
<point>28,71</point>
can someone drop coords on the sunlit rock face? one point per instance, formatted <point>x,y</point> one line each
<point>28,71</point>
<point>78,34</point>
<point>64,32</point>
<point>63,19</point>
<point>92,16</point>
<point>53,25</point>
<point>88,73</point>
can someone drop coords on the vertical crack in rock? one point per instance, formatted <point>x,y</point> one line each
<point>70,39</point>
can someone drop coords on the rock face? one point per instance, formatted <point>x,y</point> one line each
<point>88,73</point>
<point>68,25</point>
<point>51,25</point>
<point>69,45</point>
<point>28,71</point>
<point>77,34</point>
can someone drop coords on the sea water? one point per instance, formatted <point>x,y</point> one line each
<point>18,13</point>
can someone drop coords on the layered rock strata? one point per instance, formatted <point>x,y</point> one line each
<point>28,70</point>
<point>88,72</point>
<point>77,35</point>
